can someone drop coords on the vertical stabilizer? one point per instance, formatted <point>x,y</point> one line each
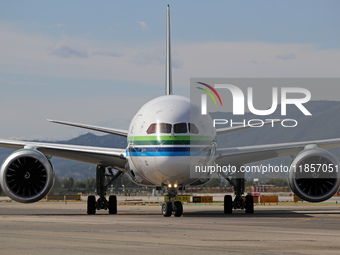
<point>168,56</point>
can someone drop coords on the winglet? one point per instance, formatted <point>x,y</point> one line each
<point>168,56</point>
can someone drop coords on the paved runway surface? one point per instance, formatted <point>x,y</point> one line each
<point>59,228</point>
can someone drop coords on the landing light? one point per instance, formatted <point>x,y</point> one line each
<point>175,185</point>
<point>169,185</point>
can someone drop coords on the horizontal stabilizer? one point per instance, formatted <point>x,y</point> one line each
<point>119,132</point>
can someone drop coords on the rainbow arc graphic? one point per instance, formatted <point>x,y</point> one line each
<point>204,103</point>
<point>204,97</point>
<point>209,93</point>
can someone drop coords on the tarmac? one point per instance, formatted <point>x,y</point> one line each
<point>65,228</point>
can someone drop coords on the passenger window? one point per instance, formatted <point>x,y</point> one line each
<point>192,128</point>
<point>152,129</point>
<point>180,128</point>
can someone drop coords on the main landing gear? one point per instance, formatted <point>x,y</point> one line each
<point>172,206</point>
<point>102,204</point>
<point>239,202</point>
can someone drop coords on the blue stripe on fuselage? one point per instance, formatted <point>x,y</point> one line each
<point>166,151</point>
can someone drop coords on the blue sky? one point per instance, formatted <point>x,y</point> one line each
<point>99,62</point>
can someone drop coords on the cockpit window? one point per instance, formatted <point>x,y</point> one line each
<point>164,128</point>
<point>159,128</point>
<point>180,128</point>
<point>152,129</point>
<point>192,128</point>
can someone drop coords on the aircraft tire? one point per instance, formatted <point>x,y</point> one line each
<point>112,205</point>
<point>167,209</point>
<point>179,209</point>
<point>249,204</point>
<point>91,205</point>
<point>228,204</point>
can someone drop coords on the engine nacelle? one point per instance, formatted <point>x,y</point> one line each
<point>314,175</point>
<point>27,176</point>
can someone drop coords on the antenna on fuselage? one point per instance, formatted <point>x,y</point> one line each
<point>168,56</point>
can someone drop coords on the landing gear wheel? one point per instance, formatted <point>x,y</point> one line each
<point>112,205</point>
<point>91,205</point>
<point>228,204</point>
<point>249,204</point>
<point>178,209</point>
<point>167,209</point>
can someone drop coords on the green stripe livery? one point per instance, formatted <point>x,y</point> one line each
<point>170,140</point>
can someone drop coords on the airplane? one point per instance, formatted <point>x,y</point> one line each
<point>166,136</point>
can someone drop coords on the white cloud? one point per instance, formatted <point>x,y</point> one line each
<point>142,24</point>
<point>66,51</point>
<point>150,57</point>
<point>254,59</point>
<point>107,53</point>
<point>30,121</point>
<point>24,55</point>
<point>61,25</point>
<point>31,54</point>
<point>288,56</point>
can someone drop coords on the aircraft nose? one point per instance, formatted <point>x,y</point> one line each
<point>173,159</point>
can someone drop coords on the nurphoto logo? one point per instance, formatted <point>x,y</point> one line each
<point>280,97</point>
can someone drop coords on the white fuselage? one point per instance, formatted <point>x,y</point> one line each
<point>168,136</point>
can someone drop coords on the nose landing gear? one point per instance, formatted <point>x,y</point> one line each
<point>169,208</point>
<point>172,206</point>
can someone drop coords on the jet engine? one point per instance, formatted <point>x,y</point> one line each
<point>27,176</point>
<point>314,175</point>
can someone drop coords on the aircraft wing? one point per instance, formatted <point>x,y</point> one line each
<point>112,131</point>
<point>108,157</point>
<point>250,154</point>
